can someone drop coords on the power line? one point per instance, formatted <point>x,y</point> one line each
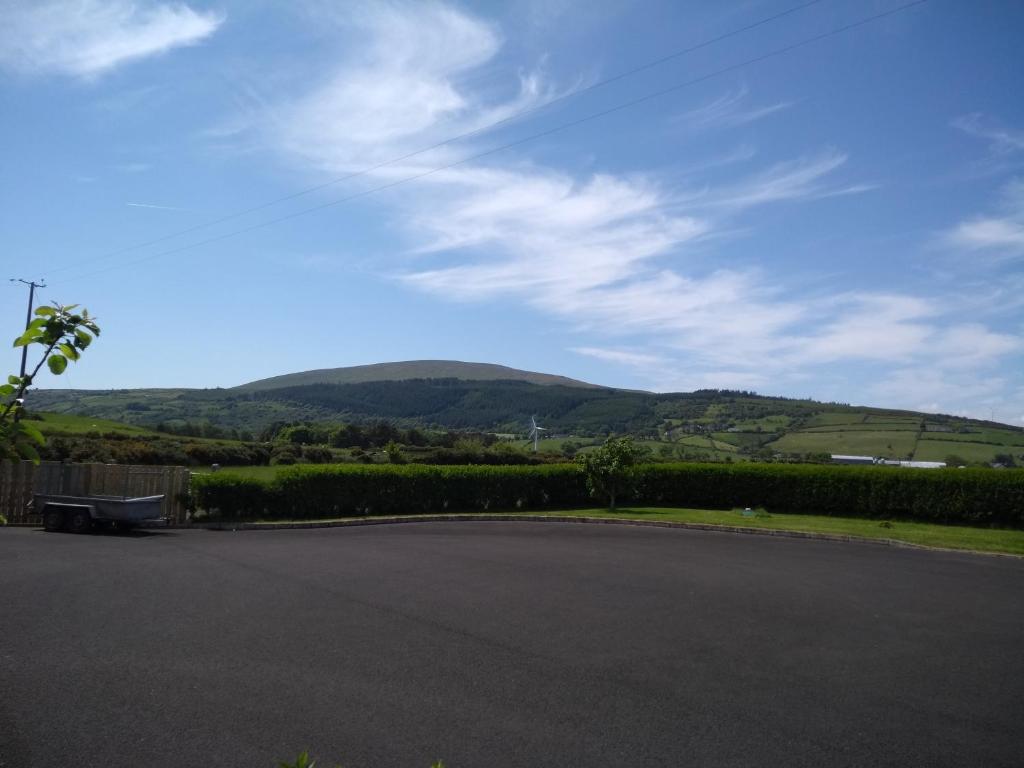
<point>453,139</point>
<point>533,137</point>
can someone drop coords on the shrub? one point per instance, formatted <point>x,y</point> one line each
<point>974,496</point>
<point>232,497</point>
<point>610,468</point>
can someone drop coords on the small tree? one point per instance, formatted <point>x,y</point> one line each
<point>610,467</point>
<point>394,452</point>
<point>63,334</point>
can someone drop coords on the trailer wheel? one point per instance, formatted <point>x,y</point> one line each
<point>79,521</point>
<point>53,520</point>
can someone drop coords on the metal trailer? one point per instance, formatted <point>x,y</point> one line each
<point>78,514</point>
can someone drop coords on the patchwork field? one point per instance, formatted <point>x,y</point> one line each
<point>886,443</point>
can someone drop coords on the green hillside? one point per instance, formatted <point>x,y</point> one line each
<point>411,369</point>
<point>709,424</point>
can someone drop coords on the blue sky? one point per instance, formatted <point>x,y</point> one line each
<point>843,221</point>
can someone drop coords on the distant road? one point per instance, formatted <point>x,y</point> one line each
<point>504,644</point>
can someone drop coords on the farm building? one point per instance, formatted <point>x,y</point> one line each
<point>839,458</point>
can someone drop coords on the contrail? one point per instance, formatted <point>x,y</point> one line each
<point>160,207</point>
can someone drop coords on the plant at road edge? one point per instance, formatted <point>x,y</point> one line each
<point>63,334</point>
<point>609,468</point>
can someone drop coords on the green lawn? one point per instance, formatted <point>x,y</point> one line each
<point>259,473</point>
<point>928,534</point>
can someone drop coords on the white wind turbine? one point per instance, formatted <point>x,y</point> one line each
<point>535,432</point>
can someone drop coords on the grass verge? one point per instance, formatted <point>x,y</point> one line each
<point>968,538</point>
<point>926,534</point>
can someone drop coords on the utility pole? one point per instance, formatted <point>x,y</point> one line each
<point>32,285</point>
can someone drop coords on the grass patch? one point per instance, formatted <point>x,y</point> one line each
<point>891,444</point>
<point>963,537</point>
<point>256,472</point>
<point>66,424</point>
<point>927,534</point>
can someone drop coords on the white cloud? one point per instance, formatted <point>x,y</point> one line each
<point>1002,139</point>
<point>963,393</point>
<point>1002,232</point>
<point>866,327</point>
<point>988,233</point>
<point>623,258</point>
<point>969,345</point>
<point>398,90</point>
<point>789,180</point>
<point>621,356</point>
<point>88,38</point>
<point>729,110</point>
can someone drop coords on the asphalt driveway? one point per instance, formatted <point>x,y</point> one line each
<point>504,644</point>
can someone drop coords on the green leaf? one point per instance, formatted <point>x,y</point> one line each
<point>28,337</point>
<point>57,364</point>
<point>26,451</point>
<point>13,380</point>
<point>45,311</point>
<point>6,389</point>
<point>32,431</point>
<point>69,351</point>
<point>83,339</point>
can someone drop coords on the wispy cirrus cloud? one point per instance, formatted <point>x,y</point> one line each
<point>155,207</point>
<point>1004,143</point>
<point>622,258</point>
<point>398,89</point>
<point>88,38</point>
<point>1000,233</point>
<point>621,356</point>
<point>727,111</point>
<point>1002,139</point>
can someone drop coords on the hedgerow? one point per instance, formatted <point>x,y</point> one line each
<point>978,496</point>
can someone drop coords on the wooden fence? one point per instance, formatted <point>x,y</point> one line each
<point>19,480</point>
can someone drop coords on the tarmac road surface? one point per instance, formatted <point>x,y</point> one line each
<point>492,644</point>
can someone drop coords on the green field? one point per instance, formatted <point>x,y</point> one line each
<point>993,436</point>
<point>862,443</point>
<point>832,419</point>
<point>872,427</point>
<point>66,424</point>
<point>938,450</point>
<point>908,422</point>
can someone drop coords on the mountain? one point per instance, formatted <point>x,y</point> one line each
<point>706,423</point>
<point>412,369</point>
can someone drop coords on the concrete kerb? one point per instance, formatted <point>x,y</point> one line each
<point>349,522</point>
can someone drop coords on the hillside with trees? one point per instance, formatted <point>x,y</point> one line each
<point>706,424</point>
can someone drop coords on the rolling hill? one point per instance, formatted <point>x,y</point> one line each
<point>412,369</point>
<point>710,423</point>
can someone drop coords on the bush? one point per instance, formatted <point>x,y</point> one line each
<point>974,496</point>
<point>232,497</point>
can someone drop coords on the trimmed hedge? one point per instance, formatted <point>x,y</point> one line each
<point>977,496</point>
